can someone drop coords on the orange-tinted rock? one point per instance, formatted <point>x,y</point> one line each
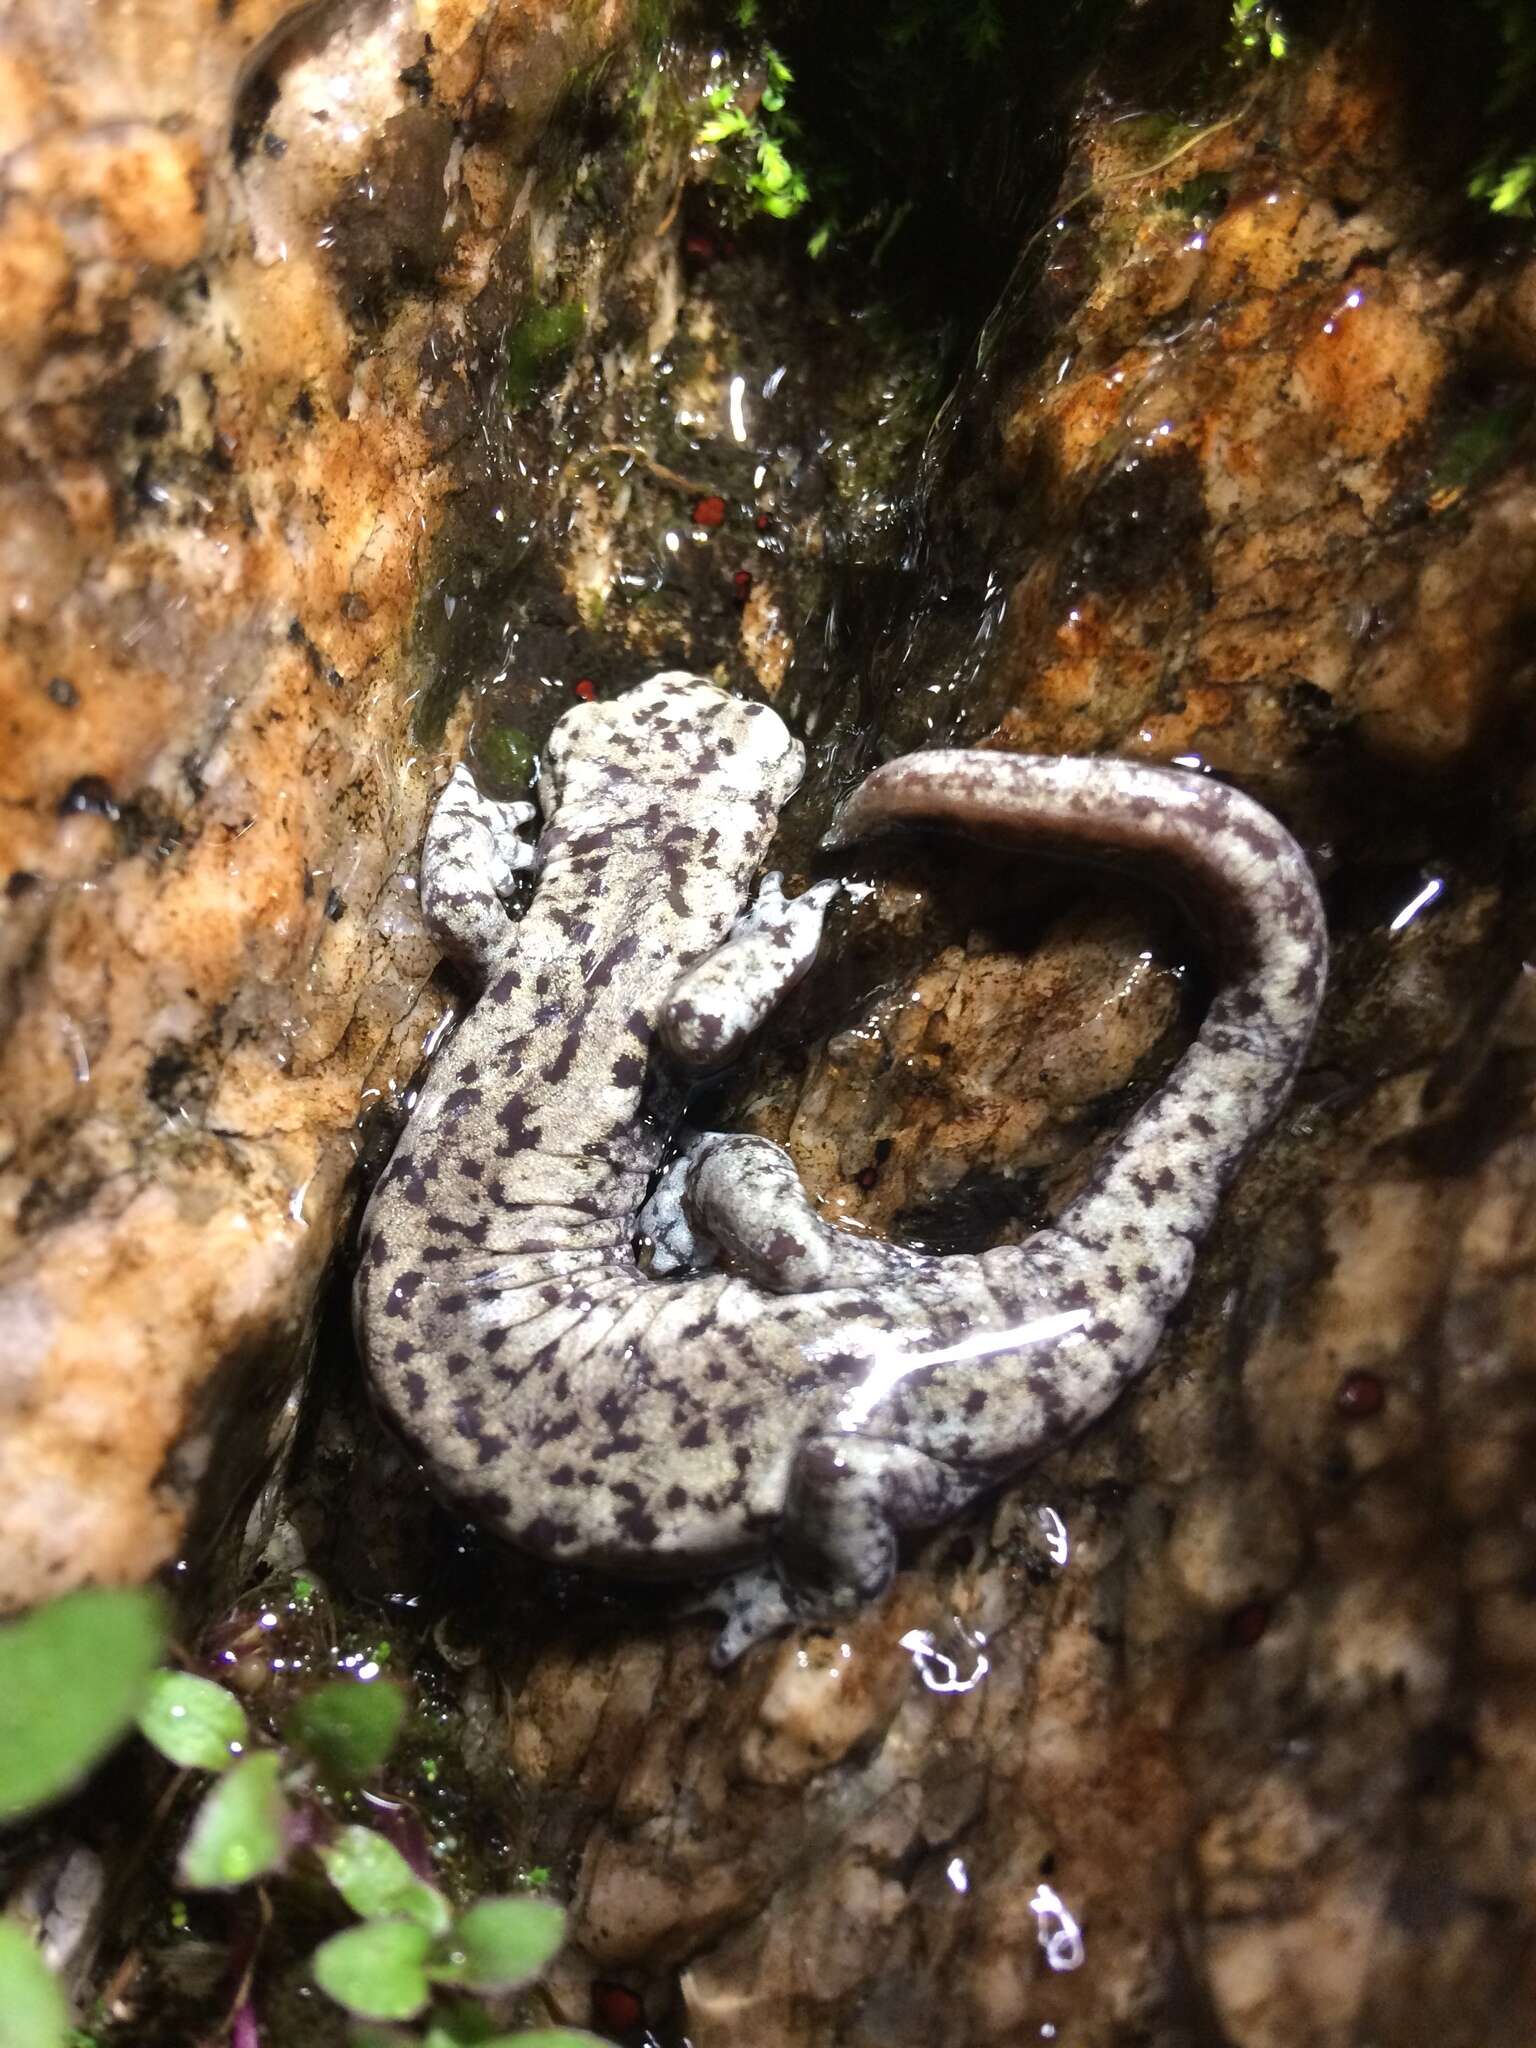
<point>223,489</point>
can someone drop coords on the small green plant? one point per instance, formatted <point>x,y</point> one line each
<point>1505,176</point>
<point>72,1677</point>
<point>753,140</point>
<point>77,1675</point>
<point>977,25</point>
<point>1257,31</point>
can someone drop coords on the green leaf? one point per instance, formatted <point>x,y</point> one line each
<point>72,1676</point>
<point>237,1832</point>
<point>377,1970</point>
<point>32,2013</point>
<point>773,165</point>
<point>193,1721</point>
<point>462,2025</point>
<point>722,128</point>
<point>377,1882</point>
<point>549,2037</point>
<point>501,1943</point>
<point>348,1727</point>
<point>471,2026</point>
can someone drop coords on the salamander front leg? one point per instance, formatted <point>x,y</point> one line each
<point>474,849</point>
<point>717,1005</point>
<point>849,1498</point>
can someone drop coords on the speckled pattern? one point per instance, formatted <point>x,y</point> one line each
<point>784,1417</point>
<point>717,1005</point>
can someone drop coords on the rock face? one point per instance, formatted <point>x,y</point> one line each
<point>257,263</point>
<point>1220,1727</point>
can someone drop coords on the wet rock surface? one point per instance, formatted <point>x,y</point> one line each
<point>258,264</point>
<point>1219,1727</point>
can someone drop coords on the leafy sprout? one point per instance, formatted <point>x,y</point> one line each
<point>239,1831</point>
<point>192,1721</point>
<point>348,1726</point>
<point>1257,30</point>
<point>78,1673</point>
<point>754,141</point>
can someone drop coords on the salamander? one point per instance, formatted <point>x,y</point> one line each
<point>769,1402</point>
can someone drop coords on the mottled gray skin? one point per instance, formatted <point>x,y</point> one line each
<point>716,1006</point>
<point>783,1418</point>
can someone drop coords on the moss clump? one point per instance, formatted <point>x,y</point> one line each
<point>539,349</point>
<point>744,120</point>
<point>506,754</point>
<point>1505,177</point>
<point>1199,198</point>
<point>1475,449</point>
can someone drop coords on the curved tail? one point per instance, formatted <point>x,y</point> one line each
<point>1155,1191</point>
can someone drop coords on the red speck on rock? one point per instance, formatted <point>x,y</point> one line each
<point>762,522</point>
<point>741,583</point>
<point>700,247</point>
<point>709,512</point>
<point>586,691</point>
<point>616,2008</point>
<point>1360,1395</point>
<point>1246,1624</point>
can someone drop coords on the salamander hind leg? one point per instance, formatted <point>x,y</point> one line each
<point>474,849</point>
<point>667,1228</point>
<point>849,1499</point>
<point>742,1197</point>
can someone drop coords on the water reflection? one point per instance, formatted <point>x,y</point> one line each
<point>942,1673</point>
<point>1410,910</point>
<point>1059,1934</point>
<point>1057,1542</point>
<point>888,1372</point>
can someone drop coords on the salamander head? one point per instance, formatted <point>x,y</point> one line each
<point>675,733</point>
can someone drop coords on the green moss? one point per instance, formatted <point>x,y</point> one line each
<point>507,755</point>
<point>1258,32</point>
<point>744,119</point>
<point>539,349</point>
<point>1201,198</point>
<point>1505,176</point>
<point>1476,447</point>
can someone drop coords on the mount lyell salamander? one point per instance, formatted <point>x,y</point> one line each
<point>787,1399</point>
